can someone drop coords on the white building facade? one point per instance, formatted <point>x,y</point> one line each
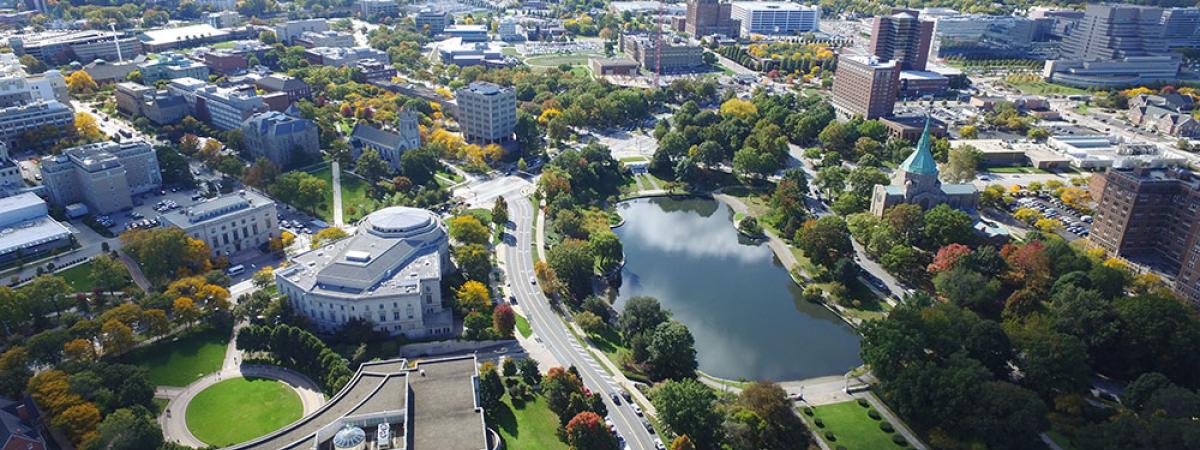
<point>776,17</point>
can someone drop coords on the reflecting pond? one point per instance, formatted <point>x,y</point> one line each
<point>746,314</point>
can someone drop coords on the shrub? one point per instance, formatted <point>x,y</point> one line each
<point>863,403</point>
<point>886,427</point>
<point>808,411</point>
<point>899,440</point>
<point>841,447</point>
<point>872,413</point>
<point>830,437</point>
<point>819,423</point>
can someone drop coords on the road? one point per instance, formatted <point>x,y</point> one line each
<point>553,331</point>
<point>864,261</point>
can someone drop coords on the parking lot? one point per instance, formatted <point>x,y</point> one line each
<point>1075,225</point>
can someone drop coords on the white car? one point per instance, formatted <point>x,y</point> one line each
<point>636,409</point>
<point>533,281</point>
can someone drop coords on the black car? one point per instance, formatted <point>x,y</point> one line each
<point>649,428</point>
<point>616,399</point>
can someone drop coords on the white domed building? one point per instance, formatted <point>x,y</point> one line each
<point>389,272</point>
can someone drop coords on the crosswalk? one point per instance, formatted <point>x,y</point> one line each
<point>587,357</point>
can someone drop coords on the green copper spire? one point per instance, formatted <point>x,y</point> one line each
<point>921,161</point>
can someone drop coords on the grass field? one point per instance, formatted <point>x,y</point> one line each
<point>558,59</point>
<point>523,326</point>
<point>181,361</point>
<point>851,427</point>
<point>80,277</point>
<point>526,425</point>
<point>1044,88</point>
<point>1011,169</point>
<point>160,404</point>
<point>354,192</point>
<point>241,409</point>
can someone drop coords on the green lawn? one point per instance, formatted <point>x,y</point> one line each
<point>851,426</point>
<point>509,51</point>
<point>1015,169</point>
<point>181,361</point>
<point>1044,88</point>
<point>354,192</point>
<point>526,425</point>
<point>241,409</point>
<point>557,59</point>
<point>523,326</point>
<point>79,277</point>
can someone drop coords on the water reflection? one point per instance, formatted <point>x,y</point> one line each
<point>738,301</point>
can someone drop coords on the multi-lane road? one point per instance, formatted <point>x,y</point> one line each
<point>553,332</point>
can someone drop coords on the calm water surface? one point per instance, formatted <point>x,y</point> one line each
<point>741,305</point>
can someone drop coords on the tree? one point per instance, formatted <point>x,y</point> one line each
<point>962,164</point>
<point>683,442</point>
<point>166,252</point>
<point>589,322</point>
<point>117,337</point>
<point>945,225</point>
<point>607,249</point>
<point>500,212</point>
<point>504,320</point>
<point>156,322</point>
<point>586,431</point>
<point>1050,361</point>
<point>107,273</point>
<point>642,315</point>
<point>476,326</point>
<point>472,296</point>
<point>475,260</point>
<point>78,421</point>
<point>490,387</point>
<point>825,240</point>
<point>557,387</point>
<point>14,371</point>
<point>529,371</point>
<point>688,407</point>
<point>968,132</point>
<point>129,429</point>
<point>736,107</point>
<point>185,310</point>
<point>79,350</point>
<point>87,127</point>
<point>371,166</point>
<point>468,230</point>
<point>969,289</point>
<point>672,352</point>
<point>302,189</point>
<point>328,236</point>
<point>574,265</point>
<point>419,165</point>
<point>79,82</point>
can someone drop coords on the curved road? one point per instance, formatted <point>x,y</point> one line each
<point>553,331</point>
<point>174,420</point>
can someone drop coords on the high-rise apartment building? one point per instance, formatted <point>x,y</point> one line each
<point>865,86</point>
<point>1109,32</point>
<point>776,17</point>
<point>487,113</point>
<point>708,17</point>
<point>1113,46</point>
<point>1181,27</point>
<point>902,37</point>
<point>1152,212</point>
<point>104,175</point>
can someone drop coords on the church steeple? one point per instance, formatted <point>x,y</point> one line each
<point>921,160</point>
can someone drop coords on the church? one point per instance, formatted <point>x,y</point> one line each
<point>916,182</point>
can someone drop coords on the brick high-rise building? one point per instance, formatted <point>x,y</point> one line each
<point>865,86</point>
<point>708,17</point>
<point>902,37</point>
<point>1152,212</point>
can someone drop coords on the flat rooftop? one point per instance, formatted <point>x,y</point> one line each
<point>165,36</point>
<point>437,397</point>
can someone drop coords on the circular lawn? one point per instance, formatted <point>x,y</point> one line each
<point>241,409</point>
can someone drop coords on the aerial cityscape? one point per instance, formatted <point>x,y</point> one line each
<point>599,225</point>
